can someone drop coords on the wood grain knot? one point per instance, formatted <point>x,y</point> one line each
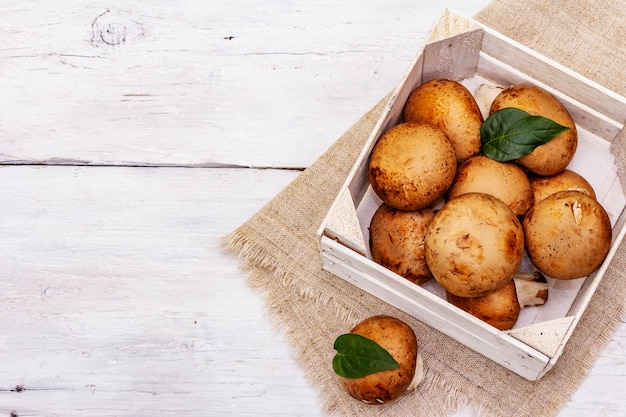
<point>114,29</point>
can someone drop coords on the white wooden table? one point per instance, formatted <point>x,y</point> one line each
<point>133,135</point>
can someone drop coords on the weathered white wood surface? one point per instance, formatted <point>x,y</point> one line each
<point>115,299</point>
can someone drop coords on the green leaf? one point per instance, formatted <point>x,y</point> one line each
<point>511,133</point>
<point>358,356</point>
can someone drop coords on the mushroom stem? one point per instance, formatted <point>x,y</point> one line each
<point>484,95</point>
<point>419,373</point>
<point>531,288</point>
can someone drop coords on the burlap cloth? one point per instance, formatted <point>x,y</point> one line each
<point>312,307</point>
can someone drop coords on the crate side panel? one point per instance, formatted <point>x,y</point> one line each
<point>454,58</point>
<point>550,73</point>
<point>590,119</point>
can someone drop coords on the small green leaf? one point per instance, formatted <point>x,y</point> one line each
<point>358,356</point>
<point>511,133</point>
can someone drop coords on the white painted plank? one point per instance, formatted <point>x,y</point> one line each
<point>116,299</point>
<point>177,89</point>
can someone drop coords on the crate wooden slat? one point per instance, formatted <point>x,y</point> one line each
<point>464,50</point>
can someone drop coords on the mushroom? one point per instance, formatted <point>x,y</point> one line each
<point>411,166</point>
<point>505,180</point>
<point>567,234</point>
<point>501,308</point>
<point>553,156</point>
<point>397,241</point>
<point>398,339</point>
<point>544,186</point>
<point>474,245</point>
<point>450,106</point>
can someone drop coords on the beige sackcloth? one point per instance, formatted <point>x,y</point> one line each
<point>312,307</point>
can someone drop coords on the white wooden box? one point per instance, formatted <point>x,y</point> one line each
<point>464,50</point>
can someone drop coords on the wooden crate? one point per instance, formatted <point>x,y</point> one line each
<point>464,50</point>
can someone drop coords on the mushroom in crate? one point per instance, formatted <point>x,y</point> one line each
<point>474,245</point>
<point>544,186</point>
<point>504,180</point>
<point>501,308</point>
<point>450,106</point>
<point>555,155</point>
<point>568,234</point>
<point>412,165</point>
<point>397,241</point>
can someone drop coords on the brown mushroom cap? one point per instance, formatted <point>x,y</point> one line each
<point>499,308</point>
<point>544,186</point>
<point>553,156</point>
<point>568,234</point>
<point>474,245</point>
<point>411,166</point>
<point>450,106</point>
<point>504,180</point>
<point>397,241</point>
<point>397,338</point>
